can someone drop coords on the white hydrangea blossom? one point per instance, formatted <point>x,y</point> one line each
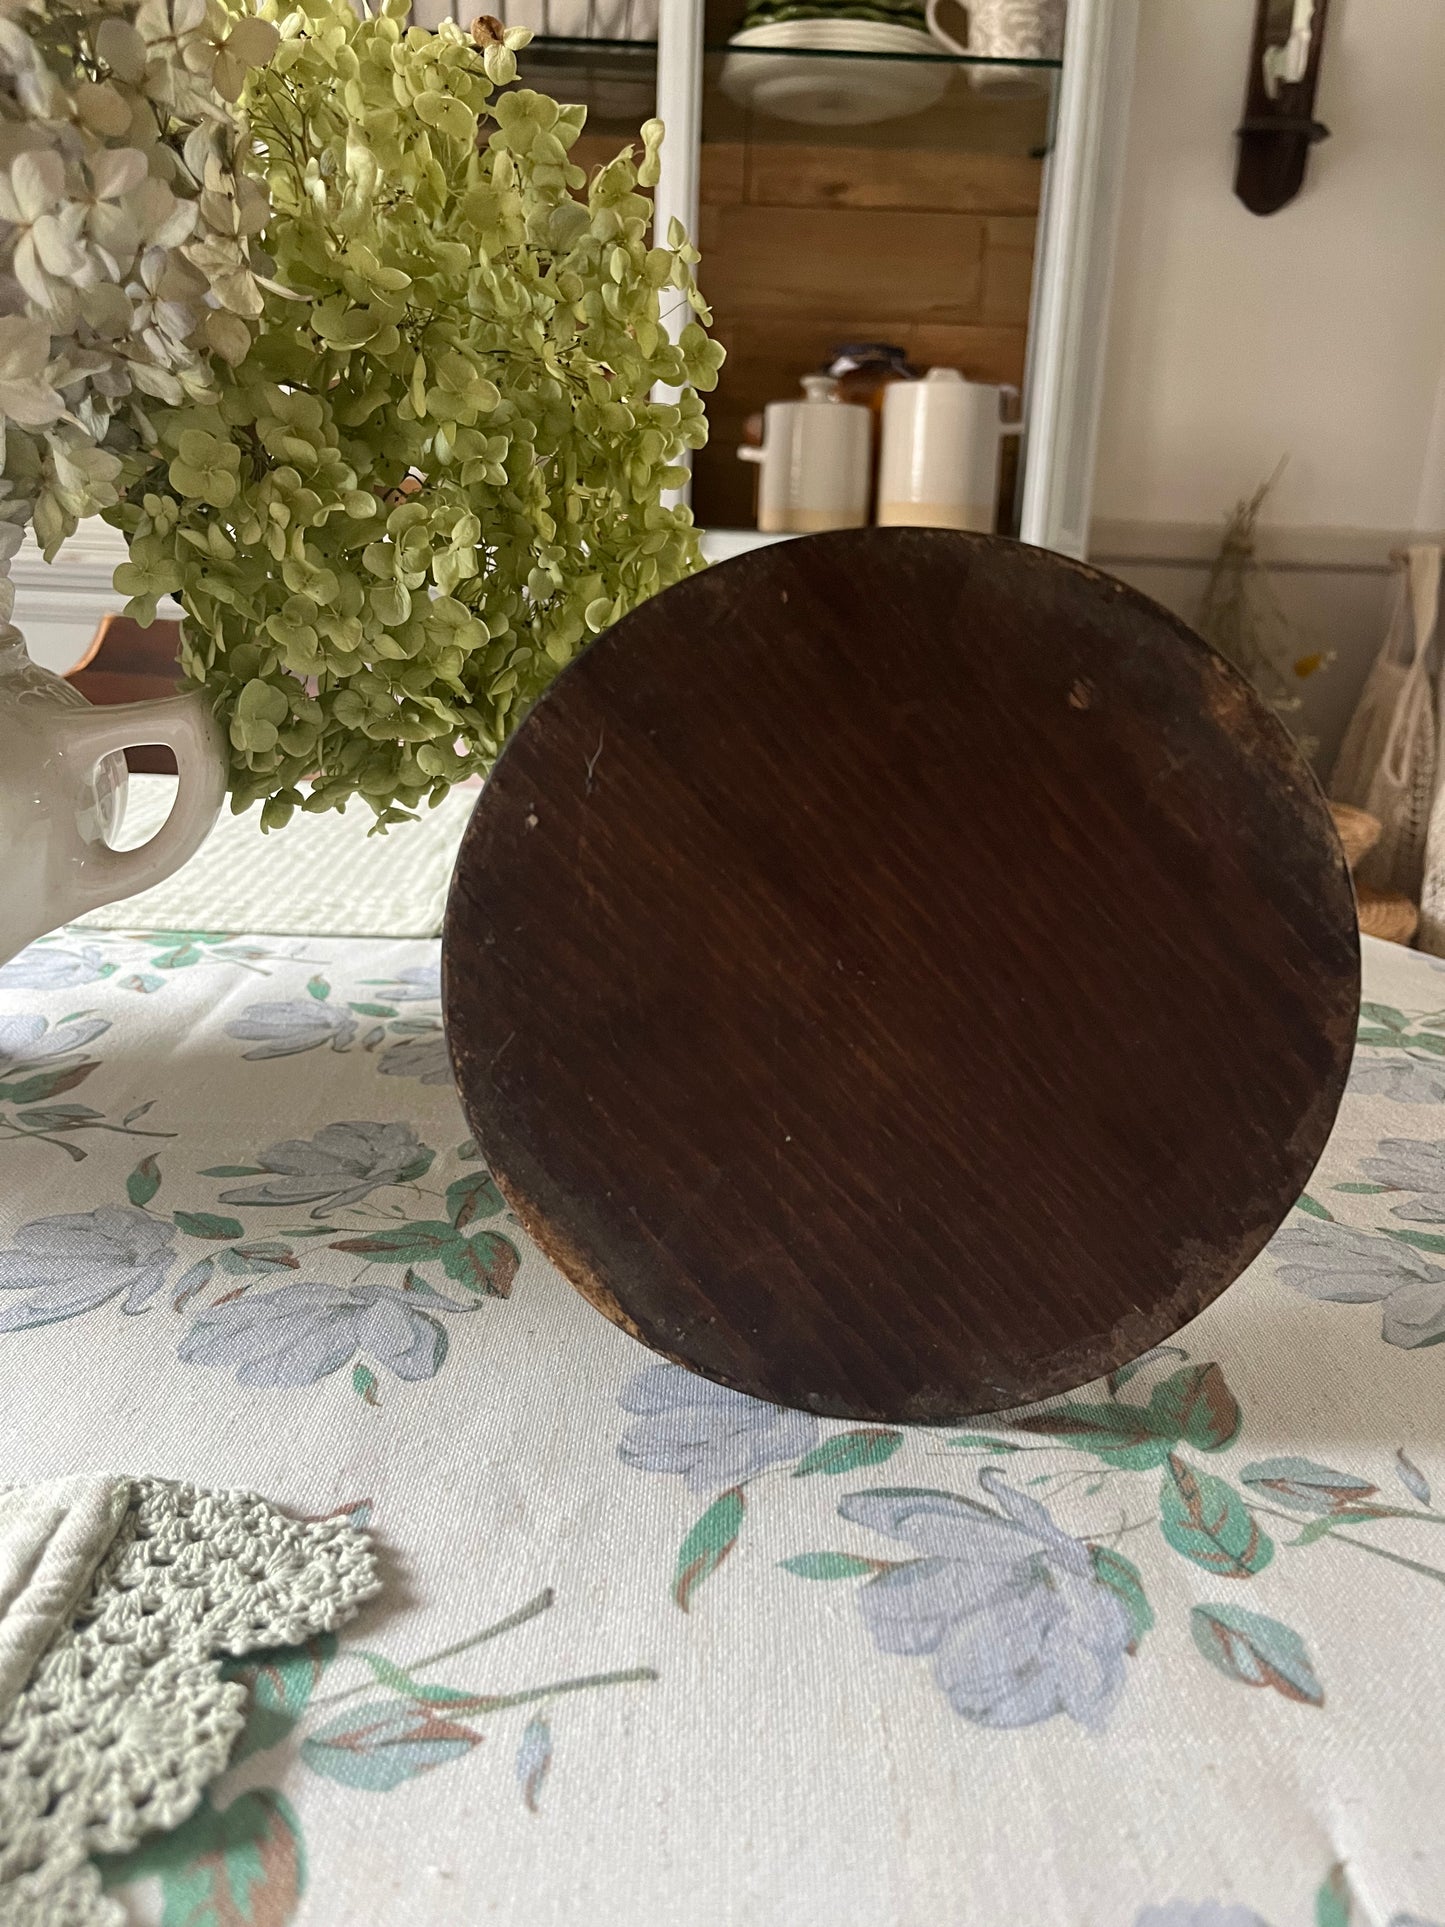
<point>126,256</point>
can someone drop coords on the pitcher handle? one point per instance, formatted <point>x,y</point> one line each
<point>184,725</point>
<point>941,34</point>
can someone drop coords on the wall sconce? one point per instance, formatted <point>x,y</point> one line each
<point>1279,126</point>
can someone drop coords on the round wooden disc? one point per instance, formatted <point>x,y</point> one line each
<point>901,974</point>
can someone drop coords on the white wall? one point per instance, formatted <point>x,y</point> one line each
<point>1317,332</point>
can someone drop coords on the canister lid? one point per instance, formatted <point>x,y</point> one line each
<point>820,387</point>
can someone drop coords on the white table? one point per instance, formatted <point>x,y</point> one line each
<point>651,1653</point>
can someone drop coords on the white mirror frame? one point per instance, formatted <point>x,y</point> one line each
<point>1073,274</point>
<point>1074,262</point>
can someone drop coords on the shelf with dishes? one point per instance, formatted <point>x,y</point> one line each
<point>583,47</point>
<point>808,75</point>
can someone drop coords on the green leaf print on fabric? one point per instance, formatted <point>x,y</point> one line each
<point>848,1452</point>
<point>485,1263</point>
<point>473,1196</point>
<point>1421,1240</point>
<point>408,1244</point>
<point>833,1565</point>
<point>205,1224</point>
<point>1119,1434</point>
<point>281,1683</point>
<point>428,1693</point>
<point>977,1442</point>
<point>240,1866</point>
<point>1305,1486</point>
<point>1333,1905</point>
<point>1304,1202</point>
<point>1385,1014</point>
<point>1256,1651</point>
<point>143,1183</point>
<point>707,1545</point>
<point>1207,1521</point>
<point>363,1383</point>
<point>384,1743</point>
<point>257,1258</point>
<point>380,1744</point>
<point>45,1084</point>
<point>1122,1576</point>
<point>1193,1405</point>
<point>39,1062</point>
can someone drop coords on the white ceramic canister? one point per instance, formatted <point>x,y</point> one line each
<point>815,462</point>
<point>939,460</point>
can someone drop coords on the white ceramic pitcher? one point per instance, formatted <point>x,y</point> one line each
<point>62,795</point>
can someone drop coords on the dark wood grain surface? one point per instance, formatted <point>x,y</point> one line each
<point>901,974</point>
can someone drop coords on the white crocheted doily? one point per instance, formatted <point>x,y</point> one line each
<point>125,1718</point>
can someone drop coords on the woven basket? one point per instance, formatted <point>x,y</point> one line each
<point>1357,830</point>
<point>1386,914</point>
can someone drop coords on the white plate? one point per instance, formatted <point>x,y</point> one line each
<point>832,93</point>
<point>840,36</point>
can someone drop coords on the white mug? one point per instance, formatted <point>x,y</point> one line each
<point>938,468</point>
<point>815,461</point>
<point>1005,30</point>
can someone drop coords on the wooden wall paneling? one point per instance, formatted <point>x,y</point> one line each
<point>1008,268</point>
<point>724,173</point>
<point>907,177</point>
<point>830,261</point>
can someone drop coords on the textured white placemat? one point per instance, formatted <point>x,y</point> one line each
<point>320,876</point>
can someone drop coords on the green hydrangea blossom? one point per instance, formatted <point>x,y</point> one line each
<point>438,471</point>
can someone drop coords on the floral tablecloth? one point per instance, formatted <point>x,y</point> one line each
<point>1166,1653</point>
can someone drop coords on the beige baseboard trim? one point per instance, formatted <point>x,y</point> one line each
<point>1310,550</point>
